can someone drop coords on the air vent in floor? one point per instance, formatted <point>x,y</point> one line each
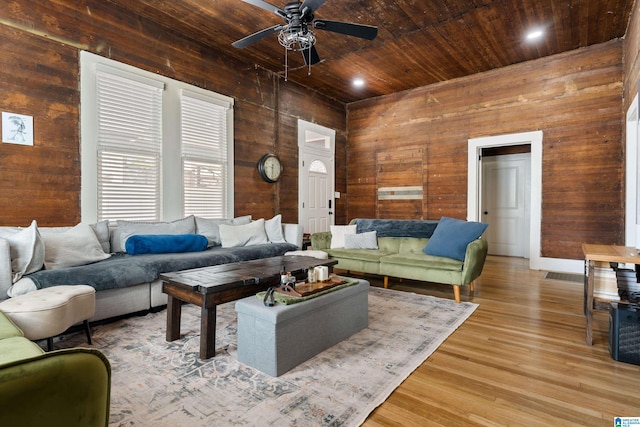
<point>568,277</point>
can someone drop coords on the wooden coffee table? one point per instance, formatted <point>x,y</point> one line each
<point>209,286</point>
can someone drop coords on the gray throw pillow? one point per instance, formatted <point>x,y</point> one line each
<point>125,229</point>
<point>76,246</point>
<point>209,228</point>
<point>368,240</point>
<point>101,229</point>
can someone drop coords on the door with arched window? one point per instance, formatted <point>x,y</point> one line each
<point>316,177</point>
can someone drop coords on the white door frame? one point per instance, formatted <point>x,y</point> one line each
<point>474,184</point>
<point>632,222</point>
<point>323,151</point>
<point>475,146</point>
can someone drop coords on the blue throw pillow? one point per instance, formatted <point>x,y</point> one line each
<point>451,237</point>
<point>165,243</point>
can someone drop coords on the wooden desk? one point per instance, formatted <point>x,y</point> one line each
<point>603,253</point>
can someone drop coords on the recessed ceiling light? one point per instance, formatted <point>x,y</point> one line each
<point>358,82</point>
<point>534,34</point>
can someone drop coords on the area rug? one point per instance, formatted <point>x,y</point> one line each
<point>156,383</point>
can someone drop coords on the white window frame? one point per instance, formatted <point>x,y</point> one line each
<point>171,196</point>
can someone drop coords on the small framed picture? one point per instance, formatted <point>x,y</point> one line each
<point>17,128</point>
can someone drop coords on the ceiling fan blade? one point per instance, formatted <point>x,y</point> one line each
<point>312,4</point>
<point>311,56</point>
<point>266,6</point>
<point>256,37</point>
<point>368,32</point>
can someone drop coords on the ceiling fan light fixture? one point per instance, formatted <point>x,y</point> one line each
<point>297,34</point>
<point>296,39</point>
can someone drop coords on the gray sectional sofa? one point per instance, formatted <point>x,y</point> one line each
<point>128,283</point>
<point>396,248</point>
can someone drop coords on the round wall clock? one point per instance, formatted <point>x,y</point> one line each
<point>270,167</point>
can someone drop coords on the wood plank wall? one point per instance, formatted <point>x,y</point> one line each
<point>631,57</point>
<point>574,98</point>
<point>40,44</point>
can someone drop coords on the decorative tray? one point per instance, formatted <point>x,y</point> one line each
<point>302,289</point>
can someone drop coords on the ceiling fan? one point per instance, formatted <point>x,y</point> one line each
<point>297,33</point>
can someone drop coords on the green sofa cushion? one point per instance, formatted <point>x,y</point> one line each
<point>424,261</point>
<point>17,348</point>
<point>8,329</point>
<point>412,245</point>
<point>389,244</point>
<point>360,254</point>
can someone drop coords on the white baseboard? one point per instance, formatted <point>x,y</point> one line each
<point>605,278</point>
<point>557,264</point>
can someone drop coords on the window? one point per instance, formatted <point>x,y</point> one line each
<point>204,155</point>
<point>318,167</point>
<point>153,148</point>
<point>129,147</point>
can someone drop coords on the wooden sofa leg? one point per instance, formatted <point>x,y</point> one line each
<point>386,282</point>
<point>471,287</point>
<point>456,292</point>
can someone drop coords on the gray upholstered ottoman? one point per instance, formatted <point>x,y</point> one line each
<point>276,339</point>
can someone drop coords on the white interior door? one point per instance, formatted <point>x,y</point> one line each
<point>316,179</point>
<point>506,190</point>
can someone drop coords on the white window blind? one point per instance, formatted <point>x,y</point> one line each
<point>129,147</point>
<point>204,130</point>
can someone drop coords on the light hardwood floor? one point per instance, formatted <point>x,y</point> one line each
<point>519,360</point>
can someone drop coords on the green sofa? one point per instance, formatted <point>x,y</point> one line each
<point>69,388</point>
<point>400,254</point>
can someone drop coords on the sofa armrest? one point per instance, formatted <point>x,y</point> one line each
<point>474,260</point>
<point>293,233</point>
<point>6,278</point>
<point>59,388</point>
<point>321,241</point>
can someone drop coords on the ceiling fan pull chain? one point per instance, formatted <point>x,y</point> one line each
<point>286,64</point>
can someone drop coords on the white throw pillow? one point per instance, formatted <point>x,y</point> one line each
<point>76,246</point>
<point>125,229</point>
<point>21,287</point>
<point>26,248</point>
<point>273,228</point>
<point>338,232</point>
<point>243,235</point>
<point>367,240</point>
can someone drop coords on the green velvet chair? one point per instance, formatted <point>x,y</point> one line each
<point>70,387</point>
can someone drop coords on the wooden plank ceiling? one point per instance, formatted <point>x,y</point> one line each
<point>419,42</point>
